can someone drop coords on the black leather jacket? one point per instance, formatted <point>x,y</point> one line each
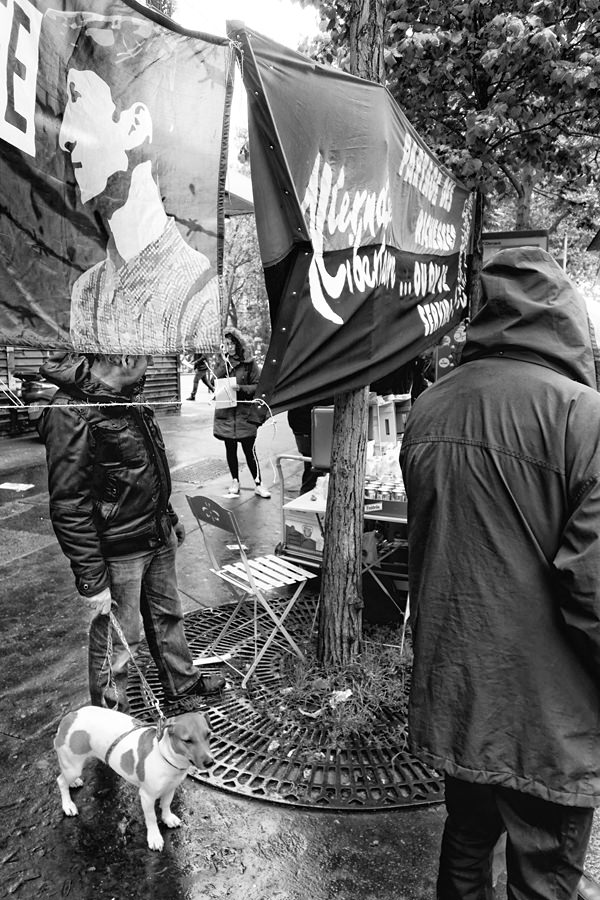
<point>108,475</point>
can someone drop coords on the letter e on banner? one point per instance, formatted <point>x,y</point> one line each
<point>20,24</point>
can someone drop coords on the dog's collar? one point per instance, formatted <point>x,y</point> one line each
<point>137,727</point>
<point>118,739</point>
<point>179,768</point>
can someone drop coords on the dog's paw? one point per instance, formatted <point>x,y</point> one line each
<point>77,782</point>
<point>171,820</point>
<point>155,840</point>
<point>69,808</point>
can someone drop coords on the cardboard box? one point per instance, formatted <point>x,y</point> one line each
<point>303,531</point>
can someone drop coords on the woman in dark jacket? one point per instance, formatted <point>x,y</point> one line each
<point>232,425</point>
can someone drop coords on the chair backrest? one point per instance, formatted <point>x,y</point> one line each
<point>211,512</point>
<point>207,510</point>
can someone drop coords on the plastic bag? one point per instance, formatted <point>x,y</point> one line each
<point>225,393</point>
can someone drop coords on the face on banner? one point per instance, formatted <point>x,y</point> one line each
<point>96,142</point>
<point>127,160</point>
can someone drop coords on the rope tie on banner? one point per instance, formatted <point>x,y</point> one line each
<point>18,404</point>
<point>149,695</point>
<point>239,53</point>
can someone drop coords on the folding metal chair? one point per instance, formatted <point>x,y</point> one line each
<point>252,578</point>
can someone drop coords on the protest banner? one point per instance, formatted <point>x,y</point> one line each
<point>113,133</point>
<point>363,234</point>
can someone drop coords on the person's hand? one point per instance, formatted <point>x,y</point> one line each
<point>100,603</point>
<point>179,530</point>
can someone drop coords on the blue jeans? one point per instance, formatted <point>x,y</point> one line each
<point>546,843</point>
<point>146,585</point>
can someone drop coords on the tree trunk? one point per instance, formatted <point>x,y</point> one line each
<point>340,621</point>
<point>523,214</point>
<point>366,39</point>
<point>474,281</point>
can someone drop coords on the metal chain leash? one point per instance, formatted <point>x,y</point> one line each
<point>149,695</point>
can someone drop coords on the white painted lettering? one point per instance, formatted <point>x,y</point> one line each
<point>20,24</point>
<point>325,204</point>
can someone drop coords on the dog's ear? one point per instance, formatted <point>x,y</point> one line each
<point>209,721</point>
<point>180,731</point>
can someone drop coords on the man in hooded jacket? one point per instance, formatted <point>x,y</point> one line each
<point>501,461</point>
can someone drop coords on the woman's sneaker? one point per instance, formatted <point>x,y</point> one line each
<point>260,491</point>
<point>234,490</point>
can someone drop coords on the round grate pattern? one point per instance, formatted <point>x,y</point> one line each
<point>254,759</point>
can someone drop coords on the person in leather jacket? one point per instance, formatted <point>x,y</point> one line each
<point>109,486</point>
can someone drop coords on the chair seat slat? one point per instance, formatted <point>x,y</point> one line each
<point>280,571</point>
<point>292,568</point>
<point>260,571</point>
<point>236,582</point>
<point>278,577</point>
<point>240,569</point>
<point>261,579</point>
<point>241,576</point>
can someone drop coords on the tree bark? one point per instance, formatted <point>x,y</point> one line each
<point>523,214</point>
<point>474,281</point>
<point>340,618</point>
<point>340,623</point>
<point>367,19</point>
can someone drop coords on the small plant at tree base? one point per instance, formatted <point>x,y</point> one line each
<point>365,701</point>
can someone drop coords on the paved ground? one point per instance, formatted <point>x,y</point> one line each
<point>228,846</point>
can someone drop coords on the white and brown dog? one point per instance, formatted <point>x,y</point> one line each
<point>134,751</point>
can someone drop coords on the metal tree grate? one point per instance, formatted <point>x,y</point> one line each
<point>252,755</point>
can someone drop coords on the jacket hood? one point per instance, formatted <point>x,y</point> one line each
<point>532,309</point>
<point>247,349</point>
<point>71,372</point>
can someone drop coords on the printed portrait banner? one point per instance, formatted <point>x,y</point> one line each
<point>363,234</point>
<point>113,133</point>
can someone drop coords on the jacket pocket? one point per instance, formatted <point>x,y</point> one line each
<point>107,489</point>
<point>116,444</point>
<point>104,512</point>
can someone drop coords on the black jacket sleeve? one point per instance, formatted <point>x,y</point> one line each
<point>68,442</point>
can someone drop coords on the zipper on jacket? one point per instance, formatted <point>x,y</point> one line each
<point>164,476</point>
